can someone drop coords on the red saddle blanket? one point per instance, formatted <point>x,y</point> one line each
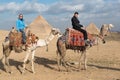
<point>74,37</point>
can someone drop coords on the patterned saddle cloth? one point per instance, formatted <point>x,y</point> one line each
<point>75,38</point>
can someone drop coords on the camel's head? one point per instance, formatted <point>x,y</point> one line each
<point>55,31</point>
<point>110,26</point>
<point>105,29</point>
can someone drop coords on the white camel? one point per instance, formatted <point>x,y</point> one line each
<point>30,49</point>
<point>105,29</point>
<point>40,43</point>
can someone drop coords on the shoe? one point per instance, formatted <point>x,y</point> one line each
<point>24,41</point>
<point>87,42</point>
<point>91,44</point>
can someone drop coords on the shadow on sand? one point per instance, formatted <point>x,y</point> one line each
<point>46,62</point>
<point>104,67</point>
<point>49,64</point>
<point>12,62</point>
<point>39,60</point>
<point>2,66</point>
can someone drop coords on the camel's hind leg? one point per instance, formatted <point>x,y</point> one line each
<point>5,60</point>
<point>3,57</point>
<point>8,69</point>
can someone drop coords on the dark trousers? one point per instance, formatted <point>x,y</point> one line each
<point>84,33</point>
<point>23,36</point>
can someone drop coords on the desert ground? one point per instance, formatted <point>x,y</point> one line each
<point>103,63</point>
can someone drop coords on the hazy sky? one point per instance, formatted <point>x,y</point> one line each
<point>59,12</point>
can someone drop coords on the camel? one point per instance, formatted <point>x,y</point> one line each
<point>31,47</point>
<point>105,29</point>
<point>63,46</point>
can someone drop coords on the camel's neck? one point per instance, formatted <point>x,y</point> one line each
<point>42,42</point>
<point>49,38</point>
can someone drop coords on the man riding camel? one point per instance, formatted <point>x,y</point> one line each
<point>20,26</point>
<point>77,26</point>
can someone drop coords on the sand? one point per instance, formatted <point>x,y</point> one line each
<point>103,63</point>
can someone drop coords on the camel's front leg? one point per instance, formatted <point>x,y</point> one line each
<point>85,60</point>
<point>33,54</point>
<point>25,60</point>
<point>59,60</point>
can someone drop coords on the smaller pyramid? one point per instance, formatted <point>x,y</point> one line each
<point>92,29</point>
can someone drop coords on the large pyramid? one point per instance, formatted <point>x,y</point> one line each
<point>92,29</point>
<point>40,27</point>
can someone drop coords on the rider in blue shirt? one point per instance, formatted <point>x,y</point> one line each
<point>20,26</point>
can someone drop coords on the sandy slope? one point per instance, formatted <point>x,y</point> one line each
<point>103,64</point>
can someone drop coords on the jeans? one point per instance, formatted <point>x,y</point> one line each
<point>84,33</point>
<point>23,36</point>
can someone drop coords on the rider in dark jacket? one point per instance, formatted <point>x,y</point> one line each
<point>77,26</point>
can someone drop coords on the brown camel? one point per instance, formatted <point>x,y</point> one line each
<point>62,46</point>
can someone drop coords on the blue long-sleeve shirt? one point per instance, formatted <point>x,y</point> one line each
<point>20,24</point>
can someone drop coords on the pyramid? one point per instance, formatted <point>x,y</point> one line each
<point>40,27</point>
<point>92,29</point>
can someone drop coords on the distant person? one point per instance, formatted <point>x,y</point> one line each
<point>20,26</point>
<point>77,26</point>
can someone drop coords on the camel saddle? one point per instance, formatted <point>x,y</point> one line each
<point>75,38</point>
<point>15,39</point>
